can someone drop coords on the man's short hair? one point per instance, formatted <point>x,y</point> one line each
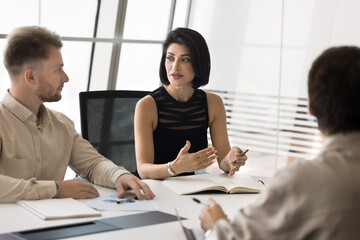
<point>200,56</point>
<point>27,45</point>
<point>334,90</point>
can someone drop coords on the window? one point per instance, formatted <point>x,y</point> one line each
<point>261,53</point>
<point>147,19</point>
<point>107,44</point>
<point>139,64</point>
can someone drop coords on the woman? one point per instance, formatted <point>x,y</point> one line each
<point>171,123</point>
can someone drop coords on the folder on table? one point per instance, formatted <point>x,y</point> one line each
<point>58,208</point>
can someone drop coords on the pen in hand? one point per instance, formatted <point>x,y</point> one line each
<point>200,202</point>
<point>243,154</point>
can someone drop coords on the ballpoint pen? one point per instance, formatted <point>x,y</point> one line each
<point>243,154</point>
<point>119,201</point>
<point>200,202</point>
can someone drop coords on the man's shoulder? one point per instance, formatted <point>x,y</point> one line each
<point>326,169</point>
<point>295,176</point>
<point>1,107</point>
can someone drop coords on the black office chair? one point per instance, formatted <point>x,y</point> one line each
<point>107,122</point>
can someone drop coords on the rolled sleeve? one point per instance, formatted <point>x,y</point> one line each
<point>12,189</point>
<point>89,164</point>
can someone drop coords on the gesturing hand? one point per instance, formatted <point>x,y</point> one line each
<point>76,189</point>
<point>191,162</point>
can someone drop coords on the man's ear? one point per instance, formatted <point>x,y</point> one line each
<point>30,76</point>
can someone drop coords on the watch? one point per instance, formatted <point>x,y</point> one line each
<point>57,188</point>
<point>170,171</point>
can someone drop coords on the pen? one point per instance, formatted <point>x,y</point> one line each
<point>200,202</point>
<point>125,201</point>
<point>243,154</point>
<point>121,201</point>
<point>261,181</point>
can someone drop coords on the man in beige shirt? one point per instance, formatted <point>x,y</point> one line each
<point>317,199</point>
<point>36,143</point>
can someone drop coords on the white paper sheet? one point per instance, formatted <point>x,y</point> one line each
<point>111,202</point>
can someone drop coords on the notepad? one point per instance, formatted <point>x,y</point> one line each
<point>239,183</point>
<point>58,208</point>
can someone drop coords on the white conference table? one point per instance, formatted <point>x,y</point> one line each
<point>14,218</point>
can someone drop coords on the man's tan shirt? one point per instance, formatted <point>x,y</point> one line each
<point>32,157</point>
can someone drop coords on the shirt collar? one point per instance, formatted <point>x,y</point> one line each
<point>16,108</point>
<point>341,141</point>
<point>44,116</point>
<point>23,113</point>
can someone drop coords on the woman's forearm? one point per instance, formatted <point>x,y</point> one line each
<point>153,171</point>
<point>223,164</point>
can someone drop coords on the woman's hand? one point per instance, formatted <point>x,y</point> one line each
<point>234,160</point>
<point>191,162</point>
<point>211,214</point>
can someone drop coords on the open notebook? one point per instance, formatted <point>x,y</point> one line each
<point>239,183</point>
<point>58,208</point>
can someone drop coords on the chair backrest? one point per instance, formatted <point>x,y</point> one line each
<point>107,122</point>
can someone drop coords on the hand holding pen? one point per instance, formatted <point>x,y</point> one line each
<point>211,214</point>
<point>235,159</point>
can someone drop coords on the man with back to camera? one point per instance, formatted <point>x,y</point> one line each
<point>36,143</point>
<point>317,199</point>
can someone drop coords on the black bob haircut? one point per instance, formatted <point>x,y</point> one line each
<point>200,56</point>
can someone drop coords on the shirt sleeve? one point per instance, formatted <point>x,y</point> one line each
<point>13,189</point>
<point>89,164</point>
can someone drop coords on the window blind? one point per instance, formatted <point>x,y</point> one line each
<point>267,124</point>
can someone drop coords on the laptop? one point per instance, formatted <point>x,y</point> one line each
<point>189,234</point>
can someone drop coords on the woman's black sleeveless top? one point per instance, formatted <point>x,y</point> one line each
<point>178,122</point>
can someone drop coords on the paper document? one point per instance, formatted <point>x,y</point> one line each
<point>111,202</point>
<point>58,208</point>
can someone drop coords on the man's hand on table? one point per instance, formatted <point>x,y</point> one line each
<point>129,181</point>
<point>76,189</point>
